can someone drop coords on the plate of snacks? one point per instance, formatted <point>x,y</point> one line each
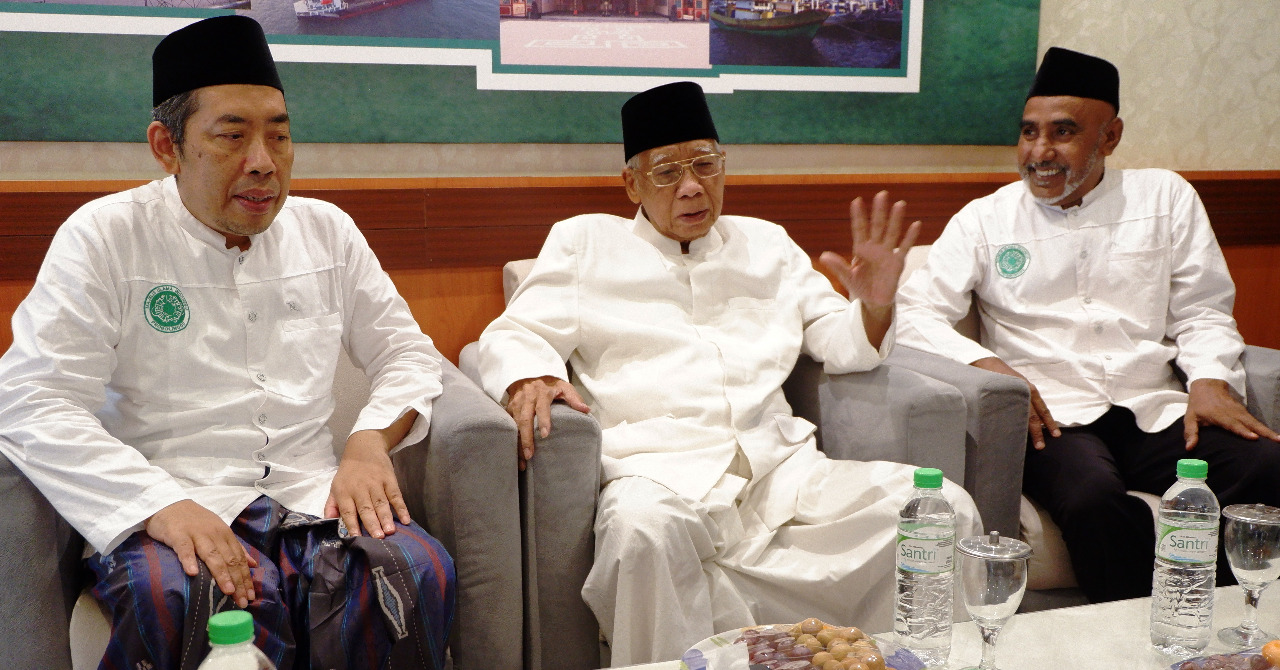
<point>1265,658</point>
<point>808,645</point>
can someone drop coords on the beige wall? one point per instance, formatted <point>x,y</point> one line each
<point>1199,79</point>
<point>1200,86</point>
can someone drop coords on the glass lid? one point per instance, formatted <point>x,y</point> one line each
<point>993,547</point>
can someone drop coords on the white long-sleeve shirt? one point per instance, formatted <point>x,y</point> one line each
<point>681,356</point>
<point>1091,303</point>
<point>151,364</point>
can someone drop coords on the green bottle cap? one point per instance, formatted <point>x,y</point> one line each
<point>1193,468</point>
<point>231,627</point>
<point>928,478</point>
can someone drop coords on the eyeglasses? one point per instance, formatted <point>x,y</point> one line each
<point>666,174</point>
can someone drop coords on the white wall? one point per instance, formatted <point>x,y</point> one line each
<point>1199,90</point>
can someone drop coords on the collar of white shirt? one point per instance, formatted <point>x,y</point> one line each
<point>700,248</point>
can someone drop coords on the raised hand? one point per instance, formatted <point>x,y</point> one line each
<point>880,247</point>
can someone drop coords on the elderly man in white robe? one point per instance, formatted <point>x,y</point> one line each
<point>680,325</point>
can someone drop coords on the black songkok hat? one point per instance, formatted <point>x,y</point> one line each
<point>220,50</point>
<point>668,114</point>
<point>1066,72</point>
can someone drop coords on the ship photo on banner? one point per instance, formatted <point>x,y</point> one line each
<point>565,45</point>
<point>801,45</point>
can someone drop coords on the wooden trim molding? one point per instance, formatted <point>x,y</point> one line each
<point>426,223</point>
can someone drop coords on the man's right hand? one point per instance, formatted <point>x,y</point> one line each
<point>197,534</point>
<point>530,399</point>
<point>1040,419</point>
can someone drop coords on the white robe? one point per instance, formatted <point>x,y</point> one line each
<point>1091,303</point>
<point>717,511</point>
<point>115,414</point>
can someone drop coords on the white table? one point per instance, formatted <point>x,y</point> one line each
<point>1109,635</point>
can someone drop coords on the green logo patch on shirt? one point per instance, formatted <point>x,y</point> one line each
<point>165,309</point>
<point>1012,260</point>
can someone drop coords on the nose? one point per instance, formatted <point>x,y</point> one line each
<point>689,185</point>
<point>258,158</point>
<point>1042,150</point>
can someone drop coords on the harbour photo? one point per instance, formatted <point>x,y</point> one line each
<point>863,34</point>
<point>426,19</point>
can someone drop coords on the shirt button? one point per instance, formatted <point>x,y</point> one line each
<point>1107,356</point>
<point>1097,329</point>
<point>261,377</point>
<point>1084,254</point>
<point>1088,300</point>
<point>261,457</point>
<point>262,418</point>
<point>240,260</point>
<point>253,316</point>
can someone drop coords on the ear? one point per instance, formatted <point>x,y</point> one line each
<point>1111,135</point>
<point>162,147</point>
<point>633,188</point>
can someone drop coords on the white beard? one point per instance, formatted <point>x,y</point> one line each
<point>1074,180</point>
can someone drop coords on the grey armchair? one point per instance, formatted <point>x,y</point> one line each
<point>998,407</point>
<point>889,413</point>
<point>460,483</point>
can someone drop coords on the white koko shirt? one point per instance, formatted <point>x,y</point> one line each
<point>152,364</point>
<point>681,356</point>
<point>1091,303</point>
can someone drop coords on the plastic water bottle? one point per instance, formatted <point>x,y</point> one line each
<point>231,636</point>
<point>1186,562</point>
<point>926,566</point>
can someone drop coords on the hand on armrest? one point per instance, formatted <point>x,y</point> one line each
<point>1039,419</point>
<point>530,399</point>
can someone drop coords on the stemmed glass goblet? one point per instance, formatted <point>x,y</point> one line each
<point>1252,541</point>
<point>993,577</point>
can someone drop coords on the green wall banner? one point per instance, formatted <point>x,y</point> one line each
<point>557,71</point>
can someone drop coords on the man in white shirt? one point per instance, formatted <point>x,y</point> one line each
<point>680,324</point>
<point>171,377</point>
<point>1090,283</point>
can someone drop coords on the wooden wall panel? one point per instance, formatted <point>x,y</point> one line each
<point>444,240</point>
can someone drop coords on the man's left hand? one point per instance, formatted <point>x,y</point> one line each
<point>365,490</point>
<point>880,249</point>
<point>1210,403</point>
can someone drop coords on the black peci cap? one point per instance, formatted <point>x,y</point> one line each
<point>1066,72</point>
<point>668,114</point>
<point>220,50</point>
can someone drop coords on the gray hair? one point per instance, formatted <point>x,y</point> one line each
<point>173,115</point>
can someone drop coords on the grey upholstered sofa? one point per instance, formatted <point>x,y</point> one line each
<point>889,413</point>
<point>460,483</point>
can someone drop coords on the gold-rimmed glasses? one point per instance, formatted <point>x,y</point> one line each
<point>703,167</point>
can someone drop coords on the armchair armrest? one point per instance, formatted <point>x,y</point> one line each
<point>461,484</point>
<point>41,573</point>
<point>558,492</point>
<point>558,499</point>
<point>1262,383</point>
<point>889,413</point>
<point>996,439</point>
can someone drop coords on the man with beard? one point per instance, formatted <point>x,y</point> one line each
<point>1089,284</point>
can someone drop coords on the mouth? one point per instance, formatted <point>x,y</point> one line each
<point>255,202</point>
<point>691,218</point>
<point>1042,174</point>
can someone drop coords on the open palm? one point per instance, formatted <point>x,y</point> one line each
<point>880,247</point>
